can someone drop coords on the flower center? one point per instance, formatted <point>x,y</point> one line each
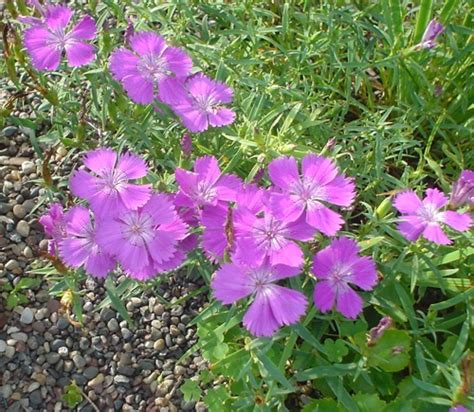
<point>204,103</point>
<point>205,192</point>
<point>152,67</point>
<point>309,192</point>
<point>58,38</point>
<point>429,213</point>
<point>137,228</point>
<point>270,234</point>
<point>340,273</point>
<point>261,279</point>
<point>113,181</point>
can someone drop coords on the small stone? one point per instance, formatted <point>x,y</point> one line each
<point>174,330</point>
<point>126,334</point>
<point>57,343</point>
<point>27,316</point>
<point>63,323</point>
<point>35,398</point>
<point>159,344</point>
<point>23,228</point>
<point>39,327</point>
<point>121,380</point>
<point>28,167</point>
<point>33,386</point>
<point>27,252</point>
<point>126,370</point>
<point>9,131</point>
<point>179,370</point>
<point>156,324</point>
<point>79,361</point>
<point>84,343</point>
<point>19,336</point>
<point>63,351</point>
<point>96,381</point>
<point>12,265</point>
<point>146,364</point>
<point>91,372</point>
<point>158,309</point>
<point>19,211</point>
<point>6,391</point>
<point>52,358</point>
<point>113,325</point>
<point>9,351</point>
<point>106,314</point>
<point>39,377</point>
<point>3,346</point>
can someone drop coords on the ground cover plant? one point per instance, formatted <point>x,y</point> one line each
<point>311,162</point>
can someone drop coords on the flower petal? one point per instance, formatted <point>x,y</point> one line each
<point>123,63</point>
<point>411,227</point>
<point>147,43</point>
<point>85,29</point>
<point>100,160</point>
<point>162,247</point>
<point>434,233</point>
<point>43,55</point>
<point>132,165</point>
<point>324,296</point>
<point>287,305</point>
<point>349,303</point>
<point>325,220</point>
<point>340,191</point>
<point>290,255</point>
<point>178,61</point>
<point>79,54</point>
<point>319,168</point>
<point>231,283</point>
<point>161,208</point>
<point>363,273</point>
<point>228,187</point>
<point>435,197</point>
<point>284,208</point>
<point>74,251</point>
<point>222,117</point>
<point>283,172</point>
<point>139,89</point>
<point>458,221</point>
<point>83,184</point>
<point>407,202</point>
<point>58,17</point>
<point>99,265</point>
<point>259,319</point>
<point>135,196</point>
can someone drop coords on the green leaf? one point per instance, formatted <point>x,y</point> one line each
<point>335,350</point>
<point>116,301</point>
<point>369,402</point>
<point>273,371</point>
<point>72,395</point>
<point>422,19</point>
<point>400,405</point>
<point>191,390</point>
<point>391,352</point>
<point>323,405</point>
<point>12,300</point>
<point>215,399</point>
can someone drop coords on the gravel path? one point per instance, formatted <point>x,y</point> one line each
<point>41,352</point>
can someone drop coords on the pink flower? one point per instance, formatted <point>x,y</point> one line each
<point>272,307</point>
<point>433,30</point>
<point>54,225</point>
<point>186,144</point>
<point>337,266</point>
<point>424,218</point>
<point>107,187</point>
<point>199,102</point>
<point>307,194</point>
<point>145,241</point>
<point>143,69</point>
<point>46,41</point>
<point>79,248</point>
<point>463,190</point>
<point>458,408</point>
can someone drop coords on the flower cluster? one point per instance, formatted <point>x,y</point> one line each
<point>256,233</point>
<point>426,217</point>
<point>126,223</point>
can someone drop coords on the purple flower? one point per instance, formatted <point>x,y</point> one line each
<point>46,41</point>
<point>458,408</point>
<point>308,194</point>
<point>186,144</point>
<point>54,225</point>
<point>107,188</point>
<point>463,190</point>
<point>129,32</point>
<point>266,237</point>
<point>79,248</point>
<point>143,69</point>
<point>273,306</point>
<point>206,185</point>
<point>433,30</point>
<point>425,217</point>
<point>337,266</point>
<point>199,102</point>
<point>145,241</point>
<point>377,332</point>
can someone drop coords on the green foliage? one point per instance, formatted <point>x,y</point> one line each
<point>72,395</point>
<point>191,390</point>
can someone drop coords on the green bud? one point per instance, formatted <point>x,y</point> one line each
<point>384,208</point>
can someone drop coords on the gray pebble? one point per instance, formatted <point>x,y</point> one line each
<point>23,228</point>
<point>52,358</point>
<point>12,265</point>
<point>26,316</point>
<point>126,370</point>
<point>27,252</point>
<point>19,211</point>
<point>126,334</point>
<point>97,380</point>
<point>3,346</point>
<point>106,314</point>
<point>84,343</point>
<point>113,325</point>
<point>57,343</point>
<point>121,379</point>
<point>35,398</point>
<point>91,372</point>
<point>28,167</point>
<point>159,344</point>
<point>9,131</point>
<point>19,336</point>
<point>63,323</point>
<point>63,351</point>
<point>79,361</point>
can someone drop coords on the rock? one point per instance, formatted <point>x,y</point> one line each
<point>27,316</point>
<point>63,323</point>
<point>23,228</point>
<point>19,211</point>
<point>159,344</point>
<point>126,370</point>
<point>96,381</point>
<point>158,309</point>
<point>52,358</point>
<point>106,314</point>
<point>156,324</point>
<point>19,336</point>
<point>79,361</point>
<point>113,325</point>
<point>35,398</point>
<point>121,380</point>
<point>63,351</point>
<point>28,167</point>
<point>126,334</point>
<point>3,346</point>
<point>84,343</point>
<point>6,391</point>
<point>9,352</point>
<point>5,208</point>
<point>27,252</point>
<point>33,386</point>
<point>12,265</point>
<point>91,372</point>
<point>179,370</point>
<point>57,343</point>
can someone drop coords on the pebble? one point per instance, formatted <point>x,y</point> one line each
<point>3,346</point>
<point>35,398</point>
<point>79,361</point>
<point>121,379</point>
<point>113,325</point>
<point>28,252</point>
<point>28,167</point>
<point>96,381</point>
<point>57,343</point>
<point>159,344</point>
<point>19,336</point>
<point>126,334</point>
<point>10,131</point>
<point>19,211</point>
<point>91,372</point>
<point>12,265</point>
<point>63,351</point>
<point>27,316</point>
<point>52,358</point>
<point>23,228</point>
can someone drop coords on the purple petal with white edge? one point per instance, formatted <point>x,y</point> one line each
<point>231,283</point>
<point>139,89</point>
<point>324,296</point>
<point>340,191</point>
<point>147,43</point>
<point>207,168</point>
<point>100,160</point>
<point>320,169</point>
<point>83,184</point>
<point>434,233</point>
<point>162,247</point>
<point>135,196</point>
<point>435,197</point>
<point>228,187</point>
<point>458,221</point>
<point>74,252</point>
<point>407,202</point>
<point>290,254</point>
<point>200,86</point>
<point>79,54</point>
<point>99,265</point>
<point>259,319</point>
<point>85,29</point>
<point>287,305</point>
<point>223,92</point>
<point>283,172</point>
<point>284,208</point>
<point>222,117</point>
<point>58,17</point>
<point>43,55</point>
<point>178,61</point>
<point>123,63</point>
<point>325,220</point>
<point>300,230</point>
<point>132,165</point>
<point>349,303</point>
<point>411,227</point>
<point>161,208</point>
<point>363,273</point>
